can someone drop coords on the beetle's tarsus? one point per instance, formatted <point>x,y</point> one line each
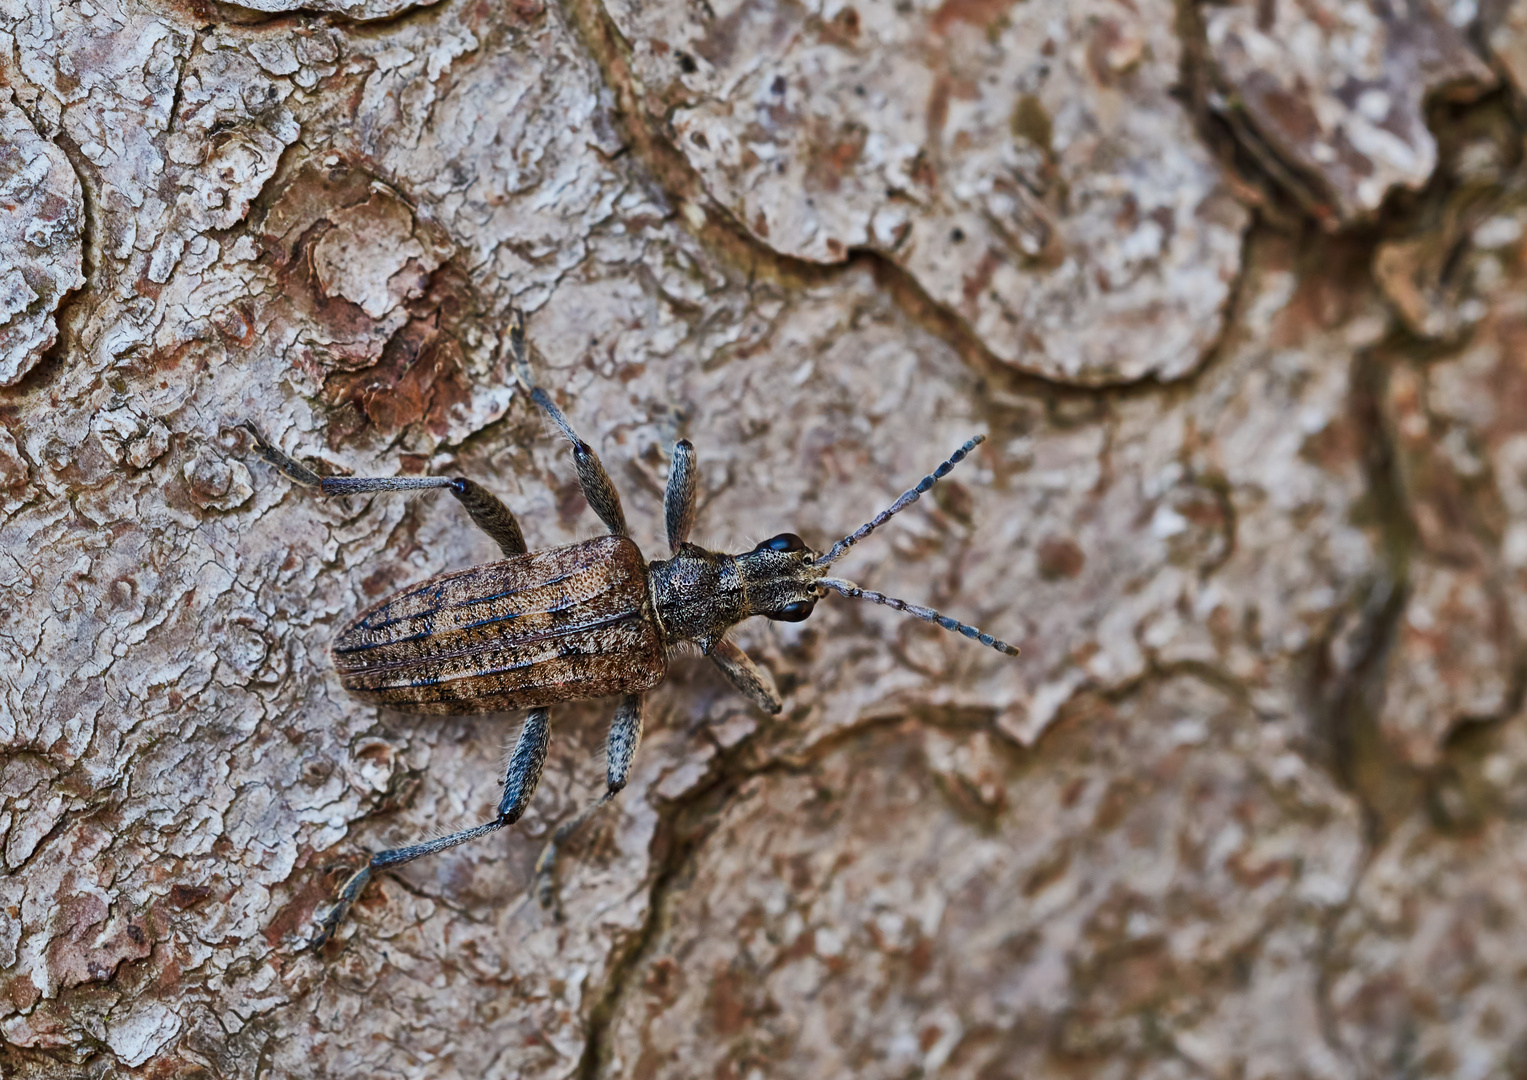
<point>294,471</point>
<point>519,350</point>
<point>329,925</point>
<point>260,441</point>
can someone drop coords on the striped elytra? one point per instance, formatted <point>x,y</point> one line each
<point>571,622</point>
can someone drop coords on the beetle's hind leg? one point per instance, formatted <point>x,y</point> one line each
<point>487,510</point>
<point>625,736</point>
<point>597,486</point>
<point>520,781</point>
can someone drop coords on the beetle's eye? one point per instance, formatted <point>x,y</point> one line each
<point>783,542</point>
<point>795,612</point>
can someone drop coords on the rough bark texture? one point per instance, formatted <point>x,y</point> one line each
<point>1237,293</point>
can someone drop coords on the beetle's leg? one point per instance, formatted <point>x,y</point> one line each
<point>679,499</point>
<point>620,750</point>
<point>753,681</point>
<point>597,486</point>
<point>486,509</point>
<point>490,515</point>
<point>520,781</point>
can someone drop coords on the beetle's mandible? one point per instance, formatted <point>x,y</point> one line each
<point>590,619</point>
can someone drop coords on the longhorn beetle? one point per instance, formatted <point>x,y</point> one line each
<point>585,620</point>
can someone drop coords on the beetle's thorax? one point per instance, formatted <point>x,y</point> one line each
<point>702,594</point>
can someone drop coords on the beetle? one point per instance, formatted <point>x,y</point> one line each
<point>589,619</point>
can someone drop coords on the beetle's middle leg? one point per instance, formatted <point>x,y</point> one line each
<point>486,509</point>
<point>679,498</point>
<point>520,781</point>
<point>597,486</point>
<point>620,751</point>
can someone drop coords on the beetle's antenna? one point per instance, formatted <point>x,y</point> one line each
<point>908,497</point>
<point>849,589</point>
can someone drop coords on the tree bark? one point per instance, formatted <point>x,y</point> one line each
<point>1234,292</point>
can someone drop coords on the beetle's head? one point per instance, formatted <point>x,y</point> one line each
<point>780,576</point>
<point>784,578</point>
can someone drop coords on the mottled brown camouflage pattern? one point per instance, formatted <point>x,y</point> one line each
<point>571,622</point>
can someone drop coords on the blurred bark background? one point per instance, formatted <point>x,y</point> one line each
<point>1235,289</point>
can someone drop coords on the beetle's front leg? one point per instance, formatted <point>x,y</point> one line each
<point>620,751</point>
<point>597,486</point>
<point>520,781</point>
<point>487,511</point>
<point>753,681</point>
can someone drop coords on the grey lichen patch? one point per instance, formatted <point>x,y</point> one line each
<point>42,218</point>
<point>1026,163</point>
<point>1337,91</point>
